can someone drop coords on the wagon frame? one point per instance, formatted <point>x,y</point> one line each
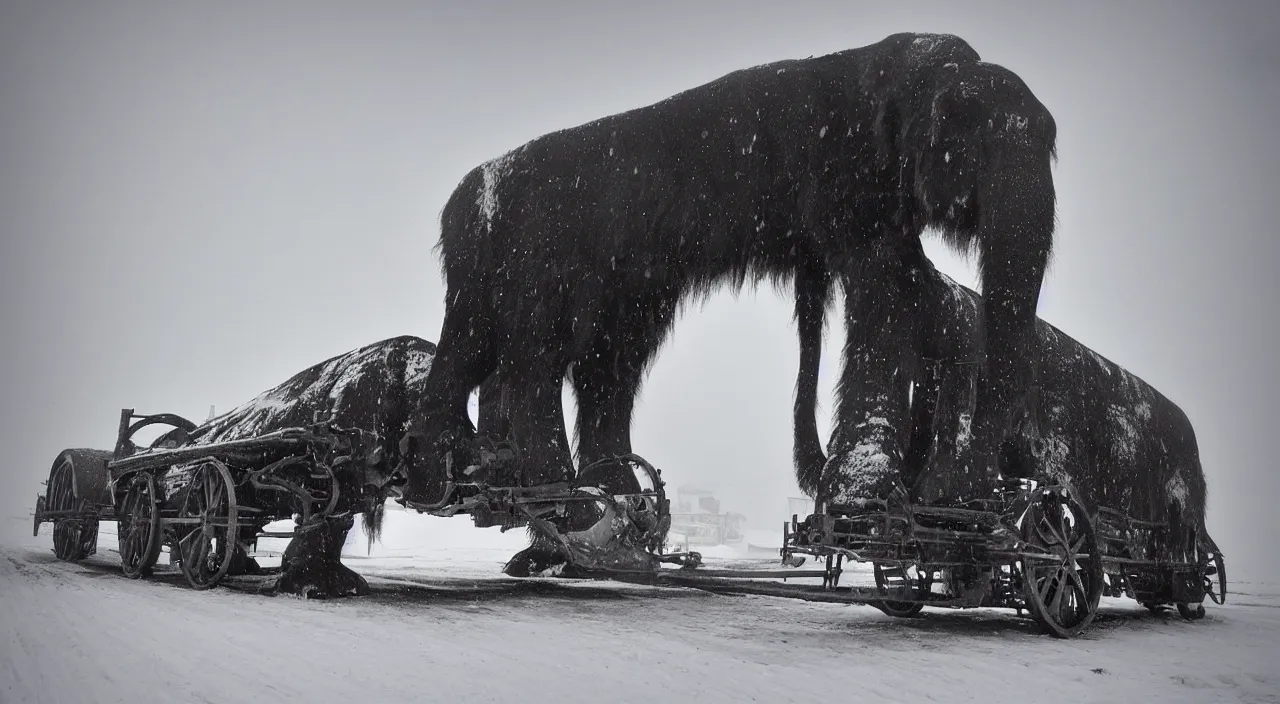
<point>1033,546</point>
<point>207,502</point>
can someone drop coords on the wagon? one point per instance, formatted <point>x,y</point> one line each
<point>209,503</point>
<point>209,492</point>
<point>596,531</point>
<point>1032,546</point>
<point>1103,495</point>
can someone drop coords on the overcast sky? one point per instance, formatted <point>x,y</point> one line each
<point>197,202</point>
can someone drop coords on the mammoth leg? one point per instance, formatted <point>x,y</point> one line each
<point>881,358</point>
<point>942,477</point>
<point>924,406</point>
<point>536,419</point>
<point>311,565</point>
<point>943,400</point>
<point>606,382</point>
<point>495,409</point>
<point>464,358</point>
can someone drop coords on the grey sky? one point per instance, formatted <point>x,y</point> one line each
<point>197,202</point>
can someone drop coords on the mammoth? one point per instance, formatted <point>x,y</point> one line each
<point>571,254</point>
<point>373,389</point>
<point>1121,443</point>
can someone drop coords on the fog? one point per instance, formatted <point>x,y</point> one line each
<point>197,202</point>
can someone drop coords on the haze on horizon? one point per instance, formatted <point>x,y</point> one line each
<point>197,202</point>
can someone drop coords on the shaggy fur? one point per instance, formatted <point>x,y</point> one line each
<point>1119,441</point>
<point>573,253</point>
<point>372,388</point>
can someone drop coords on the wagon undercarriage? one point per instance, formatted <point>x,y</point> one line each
<point>591,528</point>
<point>210,503</point>
<point>1032,547</point>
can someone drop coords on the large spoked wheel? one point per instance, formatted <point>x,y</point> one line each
<point>900,579</point>
<point>139,527</point>
<point>68,541</point>
<point>1062,575</point>
<point>209,508</point>
<point>645,503</point>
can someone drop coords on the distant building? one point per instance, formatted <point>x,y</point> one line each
<point>697,520</point>
<point>799,507</point>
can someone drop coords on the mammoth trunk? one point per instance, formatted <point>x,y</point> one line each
<point>1015,234</point>
<point>881,359</point>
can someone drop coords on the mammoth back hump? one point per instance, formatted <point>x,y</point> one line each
<point>372,388</point>
<point>1120,441</point>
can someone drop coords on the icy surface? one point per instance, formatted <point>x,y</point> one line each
<point>443,624</point>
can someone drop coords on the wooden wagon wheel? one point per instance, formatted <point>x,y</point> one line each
<point>898,577</point>
<point>139,527</point>
<point>67,539</point>
<point>1063,588</point>
<point>209,507</point>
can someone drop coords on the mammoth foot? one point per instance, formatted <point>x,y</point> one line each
<point>311,565</point>
<point>860,474</point>
<point>328,581</point>
<point>243,564</point>
<point>541,561</point>
<point>866,465</point>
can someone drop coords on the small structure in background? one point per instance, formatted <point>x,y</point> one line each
<point>696,519</point>
<point>799,506</point>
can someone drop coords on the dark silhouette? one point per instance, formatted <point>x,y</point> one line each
<point>572,253</point>
<point>373,389</point>
<point>1120,442</point>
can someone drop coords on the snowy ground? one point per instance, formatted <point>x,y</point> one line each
<point>444,624</point>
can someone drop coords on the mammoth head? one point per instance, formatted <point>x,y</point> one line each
<point>977,165</point>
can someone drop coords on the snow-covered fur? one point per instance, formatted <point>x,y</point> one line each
<point>372,388</point>
<point>1118,440</point>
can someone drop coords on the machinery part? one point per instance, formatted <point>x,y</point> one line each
<point>1211,575</point>
<point>139,527</point>
<point>620,539</point>
<point>62,500</point>
<point>38,517</point>
<point>209,507</point>
<point>1212,566</point>
<point>905,580</point>
<point>76,483</point>
<point>176,436</point>
<point>1062,570</point>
